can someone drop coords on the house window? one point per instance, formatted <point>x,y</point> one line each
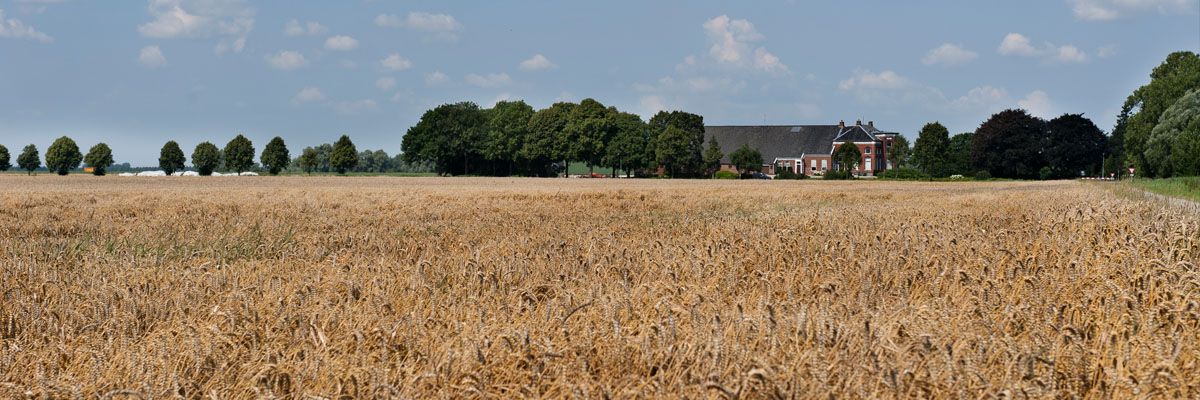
<point>824,164</point>
<point>868,150</point>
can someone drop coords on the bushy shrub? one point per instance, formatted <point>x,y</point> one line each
<point>983,175</point>
<point>726,175</point>
<point>1045,173</point>
<point>786,173</point>
<point>904,174</point>
<point>838,175</point>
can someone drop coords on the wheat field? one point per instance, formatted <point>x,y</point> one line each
<point>301,287</point>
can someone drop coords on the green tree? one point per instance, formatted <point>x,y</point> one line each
<point>275,156</point>
<point>931,152</point>
<point>99,157</point>
<point>308,160</point>
<point>1010,145</point>
<point>366,161</point>
<point>959,157</point>
<point>547,142</point>
<point>1177,75</point>
<point>1174,145</point>
<point>847,156</point>
<point>63,155</point>
<point>899,151</point>
<point>673,150</point>
<point>712,157</point>
<point>693,126</point>
<point>589,129</point>
<point>450,136</point>
<point>29,160</point>
<point>5,159</point>
<point>630,148</point>
<point>345,155</point>
<point>507,130</point>
<point>746,159</point>
<point>1073,143</point>
<point>170,158</point>
<point>206,158</point>
<point>239,154</point>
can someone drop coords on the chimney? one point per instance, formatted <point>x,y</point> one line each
<point>858,123</point>
<point>871,124</point>
<point>842,124</point>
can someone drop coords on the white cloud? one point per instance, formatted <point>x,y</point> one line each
<point>231,20</point>
<point>1108,10</point>
<point>488,81</point>
<point>436,78</point>
<point>198,18</point>
<point>537,63</point>
<point>732,44</point>
<point>395,63</point>
<point>442,26</point>
<point>312,28</point>
<point>1038,104</point>
<point>1015,44</point>
<point>893,90</point>
<point>385,83</point>
<point>428,22</point>
<point>356,107</point>
<point>152,57</point>
<point>1070,54</point>
<point>308,95</point>
<point>286,60</point>
<point>388,21</point>
<point>949,54</point>
<point>982,97</point>
<point>15,29</point>
<point>341,43</point>
<point>236,45</point>
<point>865,79</point>
<point>766,61</point>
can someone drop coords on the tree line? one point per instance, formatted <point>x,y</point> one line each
<point>512,138</point>
<point>238,155</point>
<point>1010,144</point>
<point>61,157</point>
<point>1158,129</point>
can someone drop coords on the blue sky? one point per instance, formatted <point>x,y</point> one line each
<point>137,73</point>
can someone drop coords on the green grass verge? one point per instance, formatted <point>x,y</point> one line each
<point>1184,188</point>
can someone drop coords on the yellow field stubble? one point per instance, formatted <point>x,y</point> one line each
<point>496,288</point>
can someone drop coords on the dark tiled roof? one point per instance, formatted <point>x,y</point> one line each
<point>776,141</point>
<point>857,134</point>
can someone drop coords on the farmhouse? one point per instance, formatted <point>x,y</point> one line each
<point>805,149</point>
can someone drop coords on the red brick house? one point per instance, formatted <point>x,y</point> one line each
<point>805,149</point>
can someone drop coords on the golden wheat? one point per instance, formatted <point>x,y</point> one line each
<point>497,288</point>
